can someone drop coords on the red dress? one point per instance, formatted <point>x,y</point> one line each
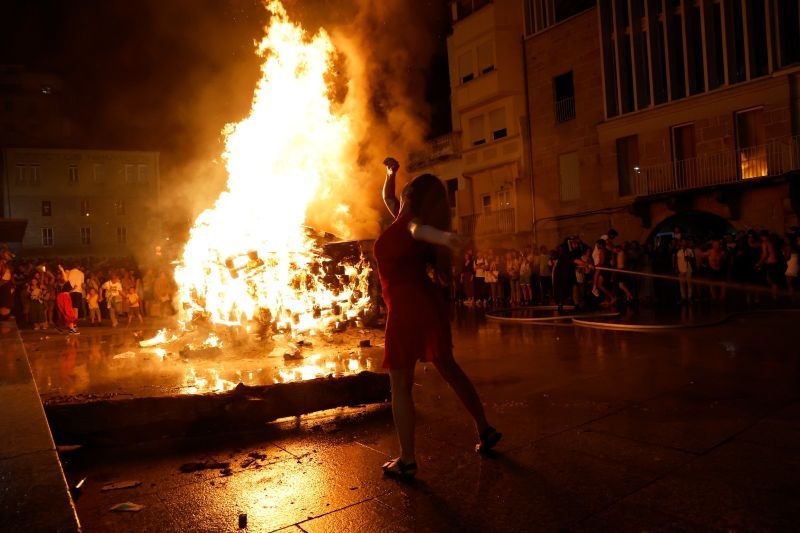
<point>417,321</point>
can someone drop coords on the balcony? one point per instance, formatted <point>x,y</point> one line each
<point>438,149</point>
<point>717,168</point>
<point>565,109</point>
<point>485,224</point>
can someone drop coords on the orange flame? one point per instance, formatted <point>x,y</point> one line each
<point>250,252</point>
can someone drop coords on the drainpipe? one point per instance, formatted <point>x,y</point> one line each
<point>529,144</point>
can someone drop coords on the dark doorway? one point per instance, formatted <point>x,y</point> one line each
<point>699,225</point>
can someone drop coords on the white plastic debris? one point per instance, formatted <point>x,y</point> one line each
<point>127,507</point>
<point>125,355</point>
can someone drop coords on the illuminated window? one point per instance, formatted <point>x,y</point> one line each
<point>122,235</point>
<point>84,208</point>
<point>86,236</point>
<point>142,174</point>
<point>751,144</point>
<point>130,173</point>
<point>73,174</point>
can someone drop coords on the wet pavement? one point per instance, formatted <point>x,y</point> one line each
<point>694,429</point>
<point>105,362</point>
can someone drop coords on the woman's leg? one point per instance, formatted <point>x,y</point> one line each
<point>402,380</point>
<point>464,389</point>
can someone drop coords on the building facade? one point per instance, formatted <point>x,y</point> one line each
<point>651,114</point>
<point>484,161</point>
<point>82,202</point>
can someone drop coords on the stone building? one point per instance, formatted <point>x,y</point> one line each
<point>651,114</point>
<point>82,202</point>
<point>485,159</point>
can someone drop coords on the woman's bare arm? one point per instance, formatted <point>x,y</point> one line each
<point>389,197</point>
<point>429,234</point>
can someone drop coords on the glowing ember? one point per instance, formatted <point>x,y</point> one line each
<point>163,336</point>
<point>249,257</point>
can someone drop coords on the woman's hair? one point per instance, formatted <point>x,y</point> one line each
<point>428,199</point>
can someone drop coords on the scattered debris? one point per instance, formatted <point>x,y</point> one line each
<point>68,448</point>
<point>242,520</point>
<point>125,355</point>
<point>257,455</point>
<point>117,485</point>
<point>77,490</point>
<point>187,468</point>
<point>127,507</point>
<point>226,471</point>
<point>365,343</point>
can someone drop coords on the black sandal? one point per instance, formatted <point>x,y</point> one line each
<point>400,470</point>
<point>489,439</point>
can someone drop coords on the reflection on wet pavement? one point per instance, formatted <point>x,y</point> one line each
<point>693,429</point>
<point>110,362</point>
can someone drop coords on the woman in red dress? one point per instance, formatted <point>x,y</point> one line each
<point>413,257</point>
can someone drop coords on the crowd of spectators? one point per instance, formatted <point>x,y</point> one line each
<point>568,273</point>
<point>49,293</point>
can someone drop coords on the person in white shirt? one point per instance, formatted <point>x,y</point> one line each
<point>112,294</point>
<point>685,265</point>
<point>76,278</point>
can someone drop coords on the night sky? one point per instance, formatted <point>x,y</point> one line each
<point>168,75</point>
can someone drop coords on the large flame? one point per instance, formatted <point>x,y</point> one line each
<point>250,253</point>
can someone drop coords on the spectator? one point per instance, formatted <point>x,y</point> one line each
<point>38,297</point>
<point>93,300</point>
<point>133,306</point>
<point>113,295</point>
<point>6,292</point>
<point>685,266</point>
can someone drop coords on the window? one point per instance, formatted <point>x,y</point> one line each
<point>569,177</point>
<point>122,235</point>
<point>486,57</point>
<point>684,154</point>
<point>99,173</point>
<point>497,118</point>
<point>465,72</point>
<point>119,207</point>
<point>22,176</point>
<point>142,175</point>
<point>86,236</point>
<point>452,190</point>
<point>627,164</point>
<point>35,176</point>
<point>751,144</point>
<point>130,173</point>
<point>503,197</point>
<point>476,130</point>
<point>47,237</point>
<point>47,208</point>
<point>486,204</point>
<point>564,97</point>
<point>84,208</point>
<point>73,174</point>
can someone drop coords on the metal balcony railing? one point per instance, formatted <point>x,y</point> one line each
<point>772,159</point>
<point>441,147</point>
<point>494,223</point>
<point>565,109</point>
